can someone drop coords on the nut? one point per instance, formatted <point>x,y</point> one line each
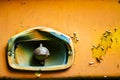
<point>41,53</point>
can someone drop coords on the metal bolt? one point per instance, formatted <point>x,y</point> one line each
<point>9,53</point>
<point>41,53</point>
<point>105,76</point>
<point>69,52</point>
<point>37,74</point>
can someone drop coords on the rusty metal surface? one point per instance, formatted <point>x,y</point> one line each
<point>88,18</point>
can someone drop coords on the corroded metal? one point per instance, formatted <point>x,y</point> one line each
<point>41,53</point>
<point>23,45</point>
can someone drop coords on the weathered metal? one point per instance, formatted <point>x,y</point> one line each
<point>24,53</point>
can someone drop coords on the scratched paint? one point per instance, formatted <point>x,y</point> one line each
<point>109,40</point>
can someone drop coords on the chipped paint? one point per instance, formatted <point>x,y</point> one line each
<point>109,39</point>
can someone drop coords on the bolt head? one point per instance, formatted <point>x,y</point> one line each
<point>41,53</point>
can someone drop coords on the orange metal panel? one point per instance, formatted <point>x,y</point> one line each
<point>89,18</point>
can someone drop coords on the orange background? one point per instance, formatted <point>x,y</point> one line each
<point>89,18</point>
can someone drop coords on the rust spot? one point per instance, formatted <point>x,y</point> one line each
<point>119,1</point>
<point>117,65</point>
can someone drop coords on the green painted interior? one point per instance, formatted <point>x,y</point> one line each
<point>24,53</point>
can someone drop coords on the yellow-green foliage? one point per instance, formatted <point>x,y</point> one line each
<point>109,39</point>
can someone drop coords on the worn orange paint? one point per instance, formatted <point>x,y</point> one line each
<point>88,18</point>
